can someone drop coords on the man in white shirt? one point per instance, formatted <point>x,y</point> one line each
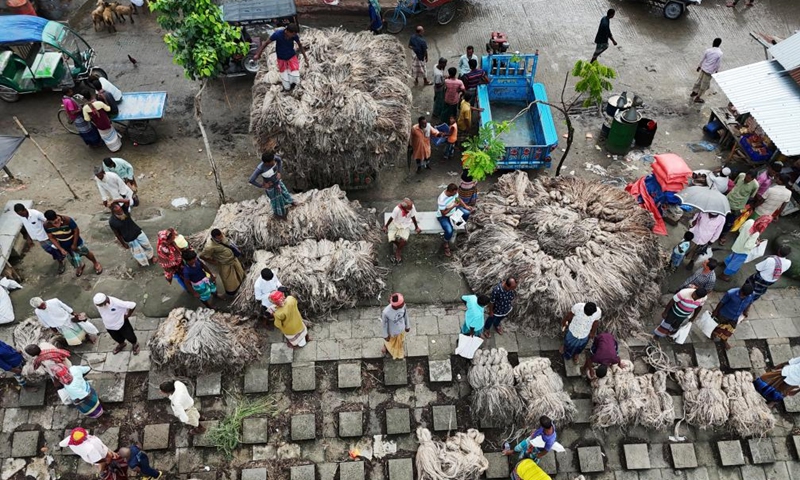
<point>112,188</point>
<point>59,317</point>
<point>267,283</point>
<point>115,314</point>
<point>463,62</point>
<point>398,228</point>
<point>709,65</point>
<point>769,271</point>
<point>183,405</point>
<point>775,198</point>
<point>90,448</point>
<point>33,221</point>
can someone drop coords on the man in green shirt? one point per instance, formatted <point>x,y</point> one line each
<point>744,188</point>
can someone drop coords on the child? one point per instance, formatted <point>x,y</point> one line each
<point>139,462</point>
<point>473,319</point>
<point>680,250</point>
<point>452,136</point>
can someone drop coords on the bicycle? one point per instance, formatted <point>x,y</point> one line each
<point>395,21</point>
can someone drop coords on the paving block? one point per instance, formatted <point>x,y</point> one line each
<point>426,325</point>
<point>25,444</point>
<point>683,455</point>
<point>110,437</point>
<point>14,417</point>
<point>306,354</point>
<point>349,375</point>
<point>677,406</point>
<point>637,457</point>
<point>351,424</point>
<point>256,380</point>
<point>140,363</point>
<point>156,437</point>
<point>209,385</point>
<point>738,357</point>
<point>397,421</point>
<point>498,465</point>
<point>302,472</point>
<point>583,410</point>
<point>111,388</point>
<point>730,452</point>
<point>395,372</point>
<point>440,370</point>
<point>349,349</point>
<point>707,356</point>
<point>792,405</point>
<point>280,353</point>
<point>777,471</point>
<point>765,329</point>
<point>657,457</point>
<point>548,464</point>
<point>441,346</point>
<point>255,430</point>
<point>154,379</point>
<point>762,450</point>
<point>401,469</point>
<point>327,471</point>
<point>417,346</point>
<point>304,377</point>
<point>574,369</point>
<point>372,347</point>
<point>590,459</point>
<point>117,363</point>
<point>444,418</point>
<point>254,474</point>
<point>327,350</point>
<point>202,440</point>
<point>32,398</point>
<point>796,441</point>
<point>351,471</point>
<point>507,340</point>
<point>780,353</point>
<point>304,426</point>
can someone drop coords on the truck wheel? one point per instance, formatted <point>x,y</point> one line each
<point>673,10</point>
<point>446,13</point>
<point>8,95</point>
<point>99,71</point>
<point>394,22</point>
<point>250,63</point>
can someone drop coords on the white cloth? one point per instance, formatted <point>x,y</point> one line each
<point>6,307</point>
<point>112,187</point>
<point>79,387</point>
<point>111,88</point>
<point>774,197</point>
<point>791,372</point>
<point>57,314</point>
<point>404,221</point>
<point>444,202</point>
<point>711,60</point>
<point>766,268</point>
<point>721,183</point>
<point>263,288</point>
<point>467,346</point>
<point>113,313</point>
<point>34,225</point>
<point>438,76</point>
<point>463,63</point>
<point>181,401</point>
<point>92,450</point>
<point>581,324</point>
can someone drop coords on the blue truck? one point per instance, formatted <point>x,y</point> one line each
<point>533,136</point>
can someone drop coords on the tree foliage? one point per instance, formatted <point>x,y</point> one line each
<point>483,151</point>
<point>197,36</point>
<point>594,81</point>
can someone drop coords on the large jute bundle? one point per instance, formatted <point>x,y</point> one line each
<point>323,275</point>
<point>624,399</point>
<point>351,113</point>
<point>31,332</point>
<point>542,392</point>
<point>458,458</point>
<point>494,399</point>
<point>565,240</point>
<point>194,342</point>
<point>704,402</point>
<point>658,411</point>
<point>749,414</point>
<point>317,214</point>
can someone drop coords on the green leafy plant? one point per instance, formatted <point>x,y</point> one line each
<point>515,58</point>
<point>594,81</point>
<point>227,434</point>
<point>483,151</point>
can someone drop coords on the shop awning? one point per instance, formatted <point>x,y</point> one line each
<point>767,92</point>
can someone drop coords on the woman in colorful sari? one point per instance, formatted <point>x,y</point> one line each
<point>170,248</point>
<point>95,111</point>
<point>224,254</point>
<point>288,320</point>
<point>783,381</point>
<point>746,241</point>
<point>201,282</point>
<point>82,394</point>
<point>86,130</point>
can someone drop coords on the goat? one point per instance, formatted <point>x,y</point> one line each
<point>108,18</point>
<point>97,15</point>
<point>121,10</point>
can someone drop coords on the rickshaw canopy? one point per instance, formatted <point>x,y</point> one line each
<point>246,12</point>
<point>16,29</point>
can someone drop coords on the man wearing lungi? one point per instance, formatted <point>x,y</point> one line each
<point>288,64</point>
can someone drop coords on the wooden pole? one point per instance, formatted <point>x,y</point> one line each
<point>28,135</point>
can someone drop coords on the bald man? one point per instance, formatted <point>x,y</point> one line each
<point>398,228</point>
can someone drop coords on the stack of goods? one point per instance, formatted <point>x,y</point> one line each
<point>671,172</point>
<point>322,274</point>
<point>658,412</point>
<point>494,399</point>
<point>196,342</point>
<point>624,399</point>
<point>750,415</point>
<point>542,391</point>
<point>704,403</point>
<point>656,191</point>
<point>459,457</point>
<point>565,240</point>
<point>31,332</point>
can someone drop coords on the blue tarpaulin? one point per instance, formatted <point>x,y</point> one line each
<point>21,28</point>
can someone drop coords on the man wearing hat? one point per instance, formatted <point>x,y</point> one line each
<point>60,318</point>
<point>112,188</point>
<point>288,319</point>
<point>90,448</point>
<point>395,324</point>
<point>115,314</point>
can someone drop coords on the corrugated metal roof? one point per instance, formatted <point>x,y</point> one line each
<point>787,52</point>
<point>771,96</point>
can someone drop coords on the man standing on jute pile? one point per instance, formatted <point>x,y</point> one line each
<point>288,64</point>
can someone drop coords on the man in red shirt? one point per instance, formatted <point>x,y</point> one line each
<point>604,352</point>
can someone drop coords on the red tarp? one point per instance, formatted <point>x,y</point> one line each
<point>637,189</point>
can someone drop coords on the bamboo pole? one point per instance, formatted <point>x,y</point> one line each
<point>28,135</point>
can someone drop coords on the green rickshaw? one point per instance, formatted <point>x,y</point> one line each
<point>38,54</point>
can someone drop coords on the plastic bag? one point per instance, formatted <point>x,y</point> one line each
<point>737,224</point>
<point>758,251</point>
<point>682,334</point>
<point>706,323</point>
<point>89,327</point>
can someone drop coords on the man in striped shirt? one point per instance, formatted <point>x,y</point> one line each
<point>686,304</point>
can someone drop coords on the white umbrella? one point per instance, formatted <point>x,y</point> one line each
<point>705,199</point>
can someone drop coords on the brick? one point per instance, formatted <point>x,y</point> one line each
<point>256,380</point>
<point>444,418</point>
<point>351,471</point>
<point>156,437</point>
<point>304,378</point>
<point>302,472</point>
<point>304,427</point>
<point>280,353</point>
<point>683,455</point>
<point>395,372</point>
<point>762,450</point>
<point>397,421</point>
<point>401,469</point>
<point>637,456</point>
<point>25,444</point>
<point>417,345</point>
<point>349,375</point>
<point>730,453</point>
<point>590,459</point>
<point>440,370</point>
<point>255,430</point>
<point>738,357</point>
<point>351,424</point>
<point>254,474</point>
<point>583,411</point>
<point>707,357</point>
<point>498,465</point>
<point>209,385</point>
<point>327,350</point>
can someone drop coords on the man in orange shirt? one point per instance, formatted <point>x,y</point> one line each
<point>420,141</point>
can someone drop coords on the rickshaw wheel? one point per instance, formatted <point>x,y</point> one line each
<point>63,118</point>
<point>673,10</point>
<point>395,22</point>
<point>100,72</point>
<point>8,95</point>
<point>446,13</point>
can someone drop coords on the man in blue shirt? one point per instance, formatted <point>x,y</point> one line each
<point>735,303</point>
<point>288,65</point>
<point>502,300</point>
<point>419,46</point>
<point>12,361</point>
<point>525,448</point>
<point>139,462</point>
<point>603,34</point>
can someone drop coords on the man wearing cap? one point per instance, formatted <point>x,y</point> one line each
<point>33,221</point>
<point>112,188</point>
<point>60,318</point>
<point>288,319</point>
<point>395,324</point>
<point>115,314</point>
<point>90,448</point>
